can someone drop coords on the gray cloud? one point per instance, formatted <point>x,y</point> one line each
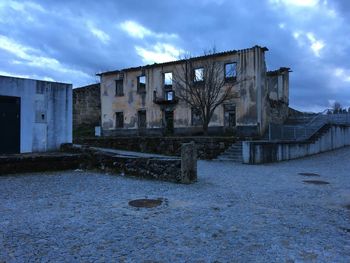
<point>80,38</point>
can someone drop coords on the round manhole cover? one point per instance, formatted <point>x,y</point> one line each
<point>309,174</point>
<point>317,182</point>
<point>147,203</point>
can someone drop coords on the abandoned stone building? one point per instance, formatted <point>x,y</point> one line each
<point>36,116</point>
<point>143,101</point>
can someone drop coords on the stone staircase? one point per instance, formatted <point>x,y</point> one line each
<point>232,154</point>
<point>299,128</point>
<point>303,127</point>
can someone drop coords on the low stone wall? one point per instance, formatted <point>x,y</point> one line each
<point>172,169</point>
<point>159,169</point>
<point>207,147</point>
<point>239,131</point>
<point>22,163</point>
<point>330,137</point>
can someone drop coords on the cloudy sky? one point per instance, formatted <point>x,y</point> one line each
<point>71,40</point>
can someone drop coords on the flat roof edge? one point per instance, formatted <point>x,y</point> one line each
<point>23,78</point>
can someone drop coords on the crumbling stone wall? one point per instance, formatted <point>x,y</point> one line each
<point>160,168</point>
<point>206,147</point>
<point>278,111</point>
<point>86,107</point>
<point>39,162</point>
<point>278,95</point>
<point>172,169</point>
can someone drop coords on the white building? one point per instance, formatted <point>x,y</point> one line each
<point>35,116</point>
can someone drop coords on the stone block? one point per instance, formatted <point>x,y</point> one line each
<point>188,163</point>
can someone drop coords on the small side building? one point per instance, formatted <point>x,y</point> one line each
<point>35,115</point>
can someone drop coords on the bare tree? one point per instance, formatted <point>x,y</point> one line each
<point>203,85</point>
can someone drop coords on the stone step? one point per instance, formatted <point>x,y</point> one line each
<point>232,154</point>
<point>230,160</point>
<point>234,151</point>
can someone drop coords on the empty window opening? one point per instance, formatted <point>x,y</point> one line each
<point>230,70</point>
<point>169,95</point>
<point>119,87</point>
<point>168,80</point>
<point>198,74</point>
<point>142,119</point>
<point>141,84</point>
<point>119,119</point>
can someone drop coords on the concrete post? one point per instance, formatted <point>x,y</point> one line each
<point>188,163</point>
<point>246,152</point>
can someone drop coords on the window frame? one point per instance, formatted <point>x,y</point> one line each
<point>195,80</point>
<point>230,78</point>
<point>143,89</point>
<point>117,92</point>
<point>167,86</point>
<point>172,96</point>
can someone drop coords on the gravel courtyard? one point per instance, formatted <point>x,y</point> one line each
<point>235,213</point>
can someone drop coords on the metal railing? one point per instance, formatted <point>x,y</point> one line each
<point>300,132</point>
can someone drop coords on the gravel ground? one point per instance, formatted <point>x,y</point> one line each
<point>235,213</point>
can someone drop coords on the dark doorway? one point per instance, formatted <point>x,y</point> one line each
<point>10,117</point>
<point>169,122</point>
<point>230,115</point>
<point>119,119</point>
<point>142,119</point>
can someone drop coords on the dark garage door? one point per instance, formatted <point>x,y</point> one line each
<point>10,124</point>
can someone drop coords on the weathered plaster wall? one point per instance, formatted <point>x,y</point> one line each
<point>87,106</point>
<point>50,99</point>
<point>278,85</point>
<point>250,95</point>
<point>129,104</point>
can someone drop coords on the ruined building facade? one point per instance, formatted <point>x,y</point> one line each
<point>142,100</point>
